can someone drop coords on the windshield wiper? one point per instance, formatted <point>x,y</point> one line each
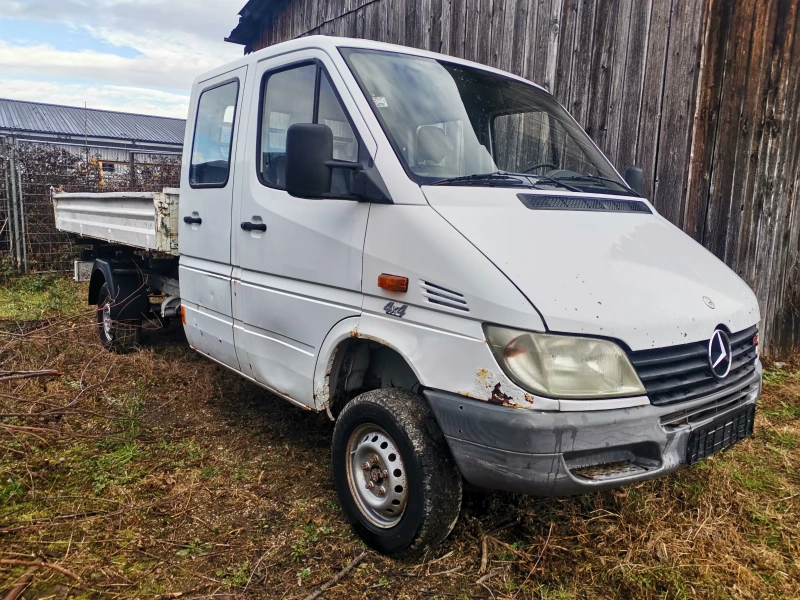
<point>588,177</point>
<point>497,178</point>
<point>554,181</point>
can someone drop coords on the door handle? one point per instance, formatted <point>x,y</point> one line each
<point>248,226</point>
<point>193,220</point>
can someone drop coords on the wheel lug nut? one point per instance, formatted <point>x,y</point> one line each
<point>366,466</point>
<point>373,459</point>
<point>370,485</point>
<point>380,491</point>
<point>385,474</point>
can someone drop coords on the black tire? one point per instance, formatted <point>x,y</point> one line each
<point>434,485</point>
<point>115,335</point>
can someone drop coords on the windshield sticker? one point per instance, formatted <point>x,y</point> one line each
<point>380,101</point>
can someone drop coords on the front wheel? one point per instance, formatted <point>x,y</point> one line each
<point>396,480</point>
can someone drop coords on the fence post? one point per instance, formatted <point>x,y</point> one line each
<point>15,211</point>
<point>132,183</point>
<point>24,227</point>
<point>7,193</point>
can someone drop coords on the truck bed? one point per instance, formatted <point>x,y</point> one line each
<point>144,220</point>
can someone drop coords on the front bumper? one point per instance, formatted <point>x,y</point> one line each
<point>565,453</point>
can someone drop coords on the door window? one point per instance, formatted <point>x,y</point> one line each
<point>288,99</point>
<point>331,113</point>
<point>213,136</point>
<point>302,94</point>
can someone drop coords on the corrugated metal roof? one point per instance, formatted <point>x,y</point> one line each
<point>70,120</point>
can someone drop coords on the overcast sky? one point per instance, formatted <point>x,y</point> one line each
<point>129,55</point>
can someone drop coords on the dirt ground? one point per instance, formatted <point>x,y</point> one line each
<point>158,474</point>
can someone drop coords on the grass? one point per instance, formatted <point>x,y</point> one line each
<point>35,297</point>
<point>157,474</point>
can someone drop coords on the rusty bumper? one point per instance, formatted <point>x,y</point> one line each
<point>566,453</point>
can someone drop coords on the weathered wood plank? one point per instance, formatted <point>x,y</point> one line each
<point>716,34</point>
<point>553,37</point>
<point>652,93</point>
<point>764,33</point>
<point>530,39</point>
<point>622,36</point>
<point>520,22</point>
<point>458,25</point>
<point>582,60</point>
<point>601,70</point>
<point>721,222</point>
<point>566,51</point>
<point>679,95</point>
<point>541,39</point>
<point>774,229</point>
<point>475,28</point>
<point>483,48</point>
<point>444,26</point>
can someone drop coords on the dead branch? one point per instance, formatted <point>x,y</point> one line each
<point>484,554</point>
<point>22,584</point>
<point>330,583</point>
<point>9,375</point>
<point>488,575</point>
<point>35,564</point>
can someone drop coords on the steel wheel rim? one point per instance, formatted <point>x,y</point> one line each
<point>376,475</point>
<point>108,324</point>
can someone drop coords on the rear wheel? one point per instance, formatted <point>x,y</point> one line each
<point>394,474</point>
<point>115,335</point>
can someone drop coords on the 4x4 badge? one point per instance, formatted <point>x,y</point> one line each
<point>396,311</point>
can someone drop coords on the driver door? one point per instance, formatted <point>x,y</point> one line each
<point>297,261</point>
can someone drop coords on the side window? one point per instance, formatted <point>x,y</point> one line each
<point>288,97</point>
<point>331,113</point>
<point>213,129</point>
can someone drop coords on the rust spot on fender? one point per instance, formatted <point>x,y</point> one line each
<point>498,397</point>
<point>355,333</point>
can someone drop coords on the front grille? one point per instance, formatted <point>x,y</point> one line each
<point>680,373</point>
<point>731,398</point>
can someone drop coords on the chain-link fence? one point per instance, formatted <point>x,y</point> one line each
<point>29,241</point>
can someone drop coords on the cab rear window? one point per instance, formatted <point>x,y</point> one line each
<point>213,136</point>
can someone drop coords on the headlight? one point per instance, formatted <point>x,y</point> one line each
<point>563,366</point>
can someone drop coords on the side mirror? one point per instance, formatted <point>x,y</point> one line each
<point>634,177</point>
<point>309,149</point>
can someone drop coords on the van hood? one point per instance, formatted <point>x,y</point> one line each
<point>630,276</point>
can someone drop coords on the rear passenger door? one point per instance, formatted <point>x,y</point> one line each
<point>207,191</point>
<point>299,272</point>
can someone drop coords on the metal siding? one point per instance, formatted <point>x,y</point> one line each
<point>68,120</point>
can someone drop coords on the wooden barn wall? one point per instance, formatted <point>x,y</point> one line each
<point>704,95</point>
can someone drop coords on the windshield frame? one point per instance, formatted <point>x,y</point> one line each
<point>429,180</point>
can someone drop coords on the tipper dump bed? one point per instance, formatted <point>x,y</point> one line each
<point>146,220</point>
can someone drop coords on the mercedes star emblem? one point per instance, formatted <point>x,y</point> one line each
<point>719,354</point>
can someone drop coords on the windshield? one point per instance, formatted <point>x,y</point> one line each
<point>449,121</point>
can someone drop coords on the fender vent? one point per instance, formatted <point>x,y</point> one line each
<point>536,202</point>
<point>436,294</point>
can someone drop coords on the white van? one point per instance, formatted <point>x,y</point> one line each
<point>434,253</point>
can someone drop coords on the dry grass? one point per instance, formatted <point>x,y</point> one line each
<point>158,474</point>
